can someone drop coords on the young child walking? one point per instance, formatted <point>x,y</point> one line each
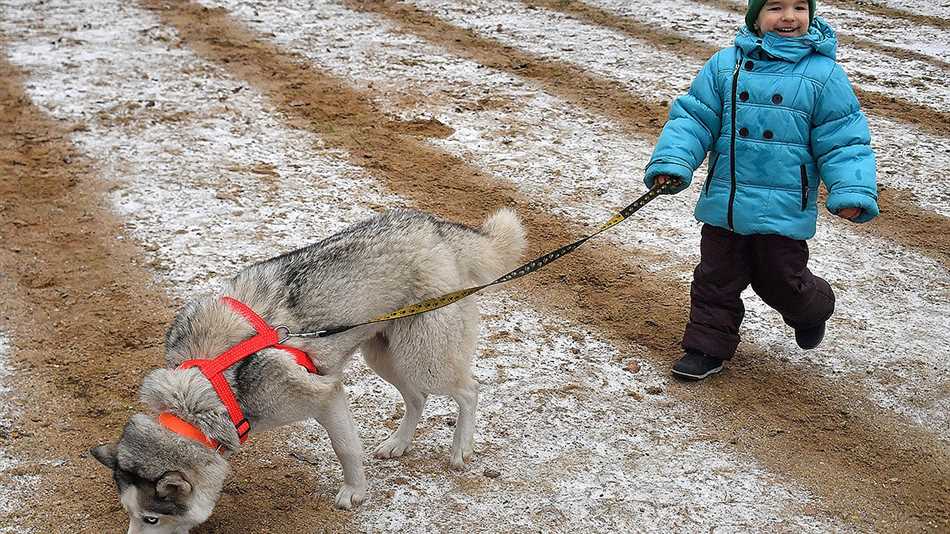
<point>776,114</point>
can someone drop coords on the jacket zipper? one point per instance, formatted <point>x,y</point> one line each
<point>732,144</point>
<point>804,188</point>
<point>713,158</point>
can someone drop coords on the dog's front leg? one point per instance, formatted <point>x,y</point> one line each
<point>334,415</point>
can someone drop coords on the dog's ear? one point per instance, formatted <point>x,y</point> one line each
<point>106,454</point>
<point>173,486</point>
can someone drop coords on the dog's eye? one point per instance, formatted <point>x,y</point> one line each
<point>149,520</point>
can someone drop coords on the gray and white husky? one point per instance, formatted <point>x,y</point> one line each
<point>168,483</point>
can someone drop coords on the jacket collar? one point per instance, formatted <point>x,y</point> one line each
<point>821,39</point>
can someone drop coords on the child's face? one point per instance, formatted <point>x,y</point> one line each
<point>788,18</point>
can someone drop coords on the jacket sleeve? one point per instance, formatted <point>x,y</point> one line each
<point>692,128</point>
<point>841,145</point>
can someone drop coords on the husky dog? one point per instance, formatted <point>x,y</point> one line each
<point>169,483</point>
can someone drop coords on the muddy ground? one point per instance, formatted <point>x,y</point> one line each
<point>90,282</point>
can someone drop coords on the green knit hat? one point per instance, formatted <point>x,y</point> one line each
<point>755,6</point>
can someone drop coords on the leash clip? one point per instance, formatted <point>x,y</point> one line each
<point>308,335</point>
<point>283,333</point>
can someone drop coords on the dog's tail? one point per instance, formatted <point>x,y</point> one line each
<point>502,247</point>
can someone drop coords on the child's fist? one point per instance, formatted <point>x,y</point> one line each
<point>849,213</point>
<point>672,183</point>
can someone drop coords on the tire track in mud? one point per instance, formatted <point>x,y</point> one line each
<point>86,322</point>
<point>894,51</point>
<point>824,434</point>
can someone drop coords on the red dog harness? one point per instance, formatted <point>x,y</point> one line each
<point>214,369</point>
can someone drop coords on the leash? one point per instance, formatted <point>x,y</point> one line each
<point>273,337</point>
<point>530,267</point>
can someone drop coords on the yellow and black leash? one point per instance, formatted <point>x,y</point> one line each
<point>530,267</point>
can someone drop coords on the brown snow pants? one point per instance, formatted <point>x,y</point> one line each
<point>775,265</point>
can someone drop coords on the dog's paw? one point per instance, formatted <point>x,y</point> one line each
<point>350,497</point>
<point>459,457</point>
<point>393,447</point>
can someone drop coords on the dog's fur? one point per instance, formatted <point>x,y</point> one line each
<point>391,260</point>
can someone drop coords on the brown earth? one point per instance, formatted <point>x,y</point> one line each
<point>87,319</point>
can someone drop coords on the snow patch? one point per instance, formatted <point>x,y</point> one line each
<point>196,158</point>
<point>14,488</point>
<point>566,439</point>
<point>209,177</point>
<point>920,7</point>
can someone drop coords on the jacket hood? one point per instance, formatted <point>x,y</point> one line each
<point>821,39</point>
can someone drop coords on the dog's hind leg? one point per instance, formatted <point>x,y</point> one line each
<point>463,388</point>
<point>430,354</point>
<point>377,356</point>
<point>398,443</point>
<point>463,441</point>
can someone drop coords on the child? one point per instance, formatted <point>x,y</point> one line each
<point>776,114</point>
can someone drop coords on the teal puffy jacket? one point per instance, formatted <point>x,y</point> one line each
<point>774,114</point>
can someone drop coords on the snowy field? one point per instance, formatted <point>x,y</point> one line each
<point>208,173</point>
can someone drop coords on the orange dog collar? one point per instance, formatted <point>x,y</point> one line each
<point>184,428</point>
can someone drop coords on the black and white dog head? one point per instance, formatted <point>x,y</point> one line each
<point>166,483</point>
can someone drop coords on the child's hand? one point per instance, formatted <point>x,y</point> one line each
<point>849,213</point>
<point>672,183</point>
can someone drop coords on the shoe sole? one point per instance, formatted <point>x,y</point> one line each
<point>809,346</point>
<point>697,377</point>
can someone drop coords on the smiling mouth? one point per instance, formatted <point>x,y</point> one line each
<point>786,30</point>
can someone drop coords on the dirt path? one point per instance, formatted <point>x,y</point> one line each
<point>78,288</point>
<point>72,290</point>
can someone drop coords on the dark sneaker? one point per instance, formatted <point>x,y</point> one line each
<point>809,338</point>
<point>696,366</point>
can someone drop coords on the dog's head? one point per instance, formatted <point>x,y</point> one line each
<point>166,483</point>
